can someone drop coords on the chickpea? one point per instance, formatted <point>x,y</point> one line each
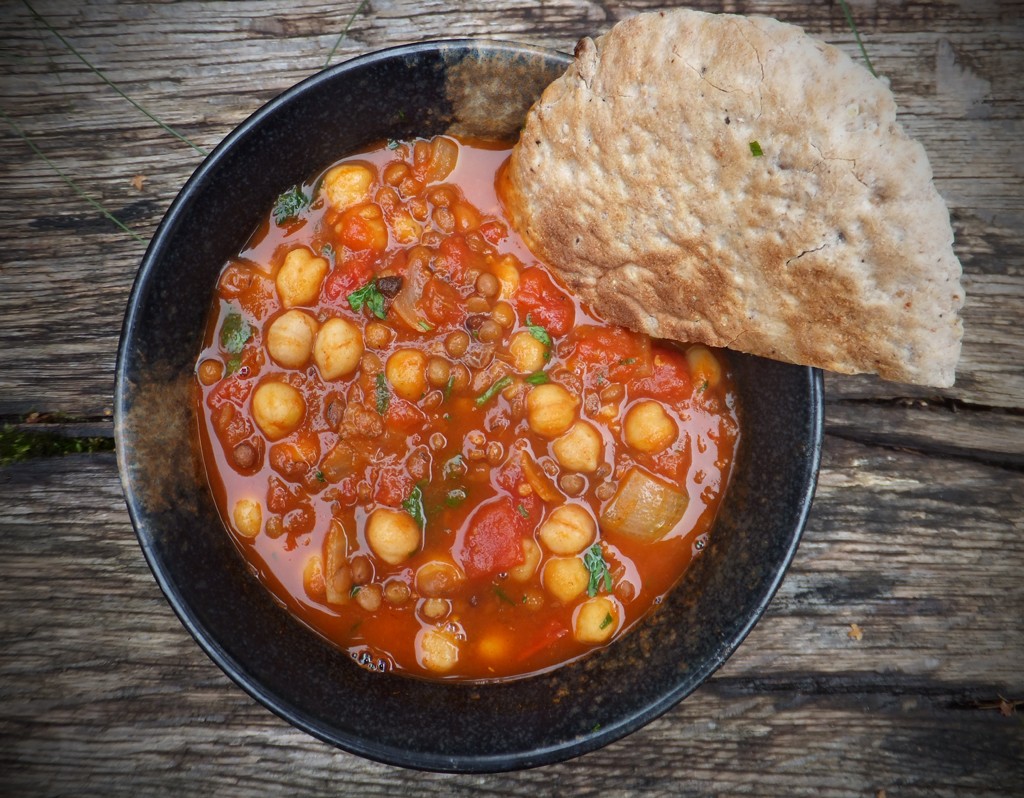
<point>438,371</point>
<point>435,608</point>
<point>338,348</point>
<point>438,578</point>
<point>406,229</point>
<point>494,647</point>
<point>568,530</point>
<point>531,559</point>
<point>596,620</point>
<point>457,343</point>
<point>290,338</point>
<point>393,535</point>
<point>487,285</point>
<point>648,427</point>
<point>405,371</point>
<point>507,272</point>
<point>248,517</point>
<point>348,185</point>
<point>705,369</point>
<point>277,409</point>
<point>210,371</point>
<point>377,335</point>
<point>299,278</point>
<point>466,218</point>
<point>565,578</point>
<point>527,352</point>
<point>580,449</point>
<point>397,592</point>
<point>437,650</point>
<point>504,314</point>
<point>369,597</point>
<point>550,409</point>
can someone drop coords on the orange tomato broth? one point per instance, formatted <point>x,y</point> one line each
<point>498,626</point>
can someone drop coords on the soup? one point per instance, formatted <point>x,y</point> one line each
<point>427,448</point>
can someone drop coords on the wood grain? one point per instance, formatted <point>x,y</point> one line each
<point>916,535</point>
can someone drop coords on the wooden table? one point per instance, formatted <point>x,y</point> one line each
<point>892,659</point>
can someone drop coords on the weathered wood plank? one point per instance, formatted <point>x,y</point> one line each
<point>102,689</point>
<point>66,272</point>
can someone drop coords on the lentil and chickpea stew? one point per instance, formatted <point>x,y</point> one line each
<point>427,448</point>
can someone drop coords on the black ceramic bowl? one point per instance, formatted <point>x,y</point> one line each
<point>472,87</point>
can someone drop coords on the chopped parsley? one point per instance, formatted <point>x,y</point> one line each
<point>355,589</point>
<point>290,204</point>
<point>370,296</point>
<point>448,388</point>
<point>320,476</point>
<point>490,393</point>
<point>608,619</point>
<point>426,326</point>
<point>234,333</point>
<point>542,335</point>
<point>755,149</point>
<point>522,511</point>
<point>598,568</point>
<point>394,144</point>
<point>233,364</point>
<point>538,378</point>
<point>383,395</point>
<point>703,387</point>
<point>414,506</point>
<point>501,594</point>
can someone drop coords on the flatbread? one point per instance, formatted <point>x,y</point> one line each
<point>636,179</point>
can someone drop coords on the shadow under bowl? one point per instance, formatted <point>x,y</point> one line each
<point>470,87</point>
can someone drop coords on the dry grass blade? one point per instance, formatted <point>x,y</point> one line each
<point>42,20</point>
<point>71,183</point>
<point>344,32</point>
<point>856,34</point>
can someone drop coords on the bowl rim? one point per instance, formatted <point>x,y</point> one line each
<point>236,670</point>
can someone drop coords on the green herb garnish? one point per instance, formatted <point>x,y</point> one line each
<point>542,335</point>
<point>383,395</point>
<point>370,296</point>
<point>355,589</point>
<point>598,568</point>
<point>608,619</point>
<point>490,393</point>
<point>703,387</point>
<point>426,326</point>
<point>234,333</point>
<point>538,378</point>
<point>290,204</point>
<point>232,364</point>
<point>448,388</point>
<point>627,361</point>
<point>320,476</point>
<point>327,251</point>
<point>414,506</point>
<point>393,144</point>
<point>755,149</point>
<point>522,511</point>
<point>501,594</point>
<point>455,497</point>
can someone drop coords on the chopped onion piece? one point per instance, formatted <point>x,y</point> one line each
<point>539,481</point>
<point>405,302</point>
<point>337,572</point>
<point>644,507</point>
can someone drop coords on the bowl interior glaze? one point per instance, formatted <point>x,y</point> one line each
<point>470,87</point>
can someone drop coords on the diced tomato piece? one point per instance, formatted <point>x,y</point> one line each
<point>403,415</point>
<point>545,303</point>
<point>353,273</point>
<point>619,352</point>
<point>441,303</point>
<point>393,485</point>
<point>492,542</point>
<point>493,232</point>
<point>670,381</point>
<point>552,632</point>
<point>231,390</point>
<point>363,227</point>
<point>452,258</point>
